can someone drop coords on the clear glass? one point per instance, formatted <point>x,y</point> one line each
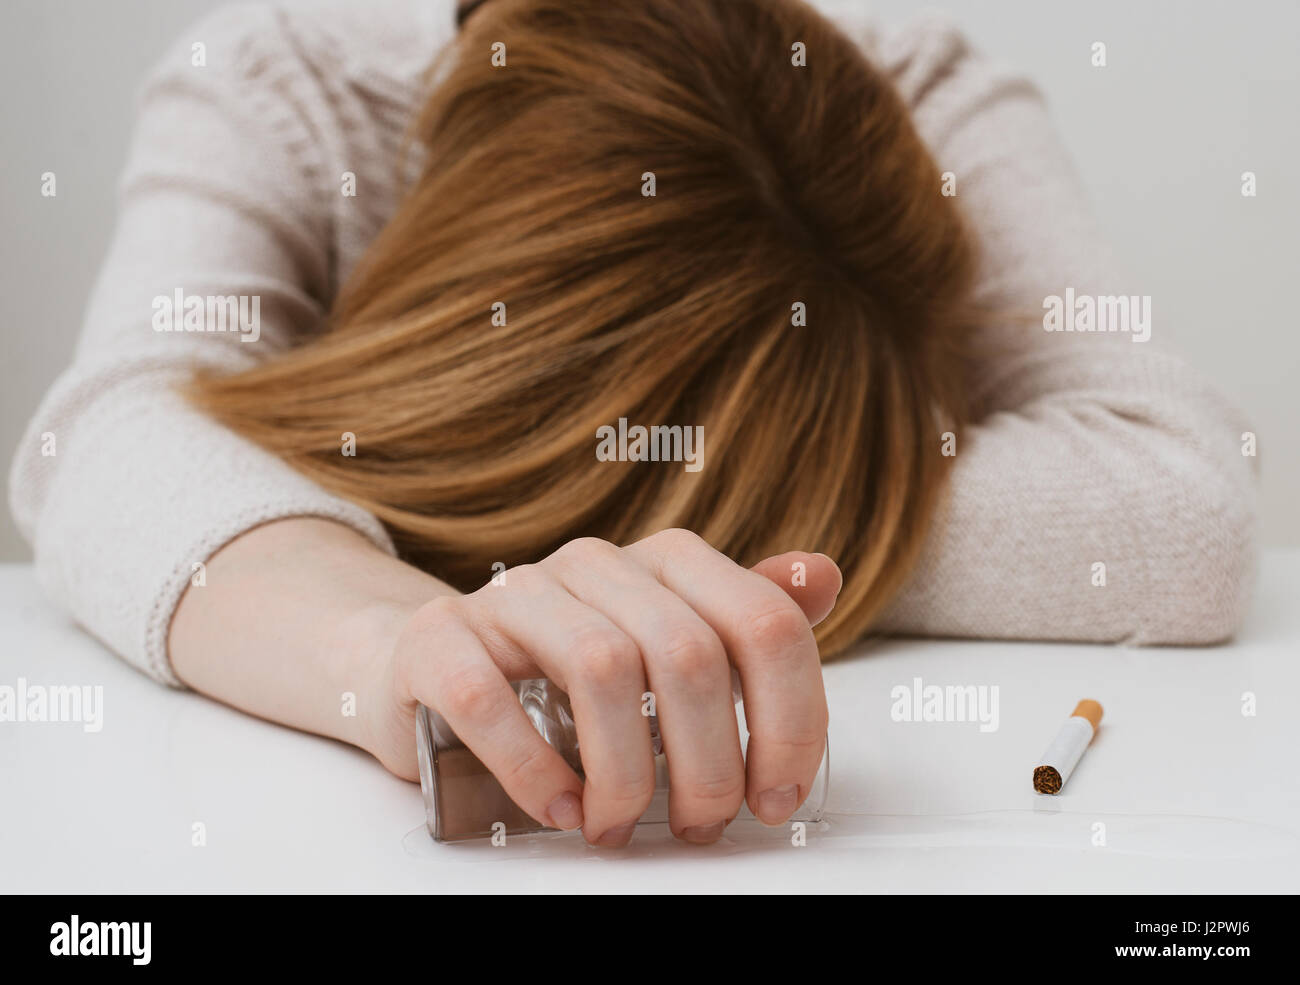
<point>462,799</point>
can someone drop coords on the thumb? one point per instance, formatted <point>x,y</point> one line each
<point>812,580</point>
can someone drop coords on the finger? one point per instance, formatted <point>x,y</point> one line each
<point>813,581</point>
<point>688,674</point>
<point>468,690</point>
<point>600,669</point>
<point>768,638</point>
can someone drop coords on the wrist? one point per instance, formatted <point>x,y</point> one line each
<point>368,641</point>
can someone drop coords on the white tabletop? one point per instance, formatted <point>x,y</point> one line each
<point>1191,795</point>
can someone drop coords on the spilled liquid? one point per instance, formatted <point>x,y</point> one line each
<point>1158,836</point>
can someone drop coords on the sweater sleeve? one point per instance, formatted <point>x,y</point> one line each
<point>1088,449</point>
<point>118,484</point>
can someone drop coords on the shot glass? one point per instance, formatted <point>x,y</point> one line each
<point>463,800</point>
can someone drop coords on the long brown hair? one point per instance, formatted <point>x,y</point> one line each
<point>776,185</point>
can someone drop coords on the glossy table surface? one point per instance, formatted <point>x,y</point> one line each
<point>1186,788</point>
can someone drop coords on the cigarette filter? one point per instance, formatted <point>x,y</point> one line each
<point>1067,748</point>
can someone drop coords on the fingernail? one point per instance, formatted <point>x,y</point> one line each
<point>617,837</point>
<point>777,804</point>
<point>837,568</point>
<point>565,811</point>
<point>704,834</point>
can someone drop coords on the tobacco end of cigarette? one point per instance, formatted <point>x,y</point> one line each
<point>1089,709</point>
<point>1046,779</point>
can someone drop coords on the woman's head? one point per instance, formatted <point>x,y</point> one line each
<point>796,286</point>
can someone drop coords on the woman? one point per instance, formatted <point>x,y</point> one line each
<point>825,252</point>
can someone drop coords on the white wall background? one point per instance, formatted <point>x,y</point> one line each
<point>1194,94</point>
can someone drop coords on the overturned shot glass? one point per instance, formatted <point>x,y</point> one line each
<point>463,800</point>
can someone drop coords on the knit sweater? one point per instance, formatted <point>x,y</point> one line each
<point>1089,448</point>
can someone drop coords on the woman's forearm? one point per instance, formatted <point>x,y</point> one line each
<point>295,623</point>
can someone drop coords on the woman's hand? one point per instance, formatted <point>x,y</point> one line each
<point>669,615</point>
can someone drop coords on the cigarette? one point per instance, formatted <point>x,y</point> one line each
<point>1067,748</point>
